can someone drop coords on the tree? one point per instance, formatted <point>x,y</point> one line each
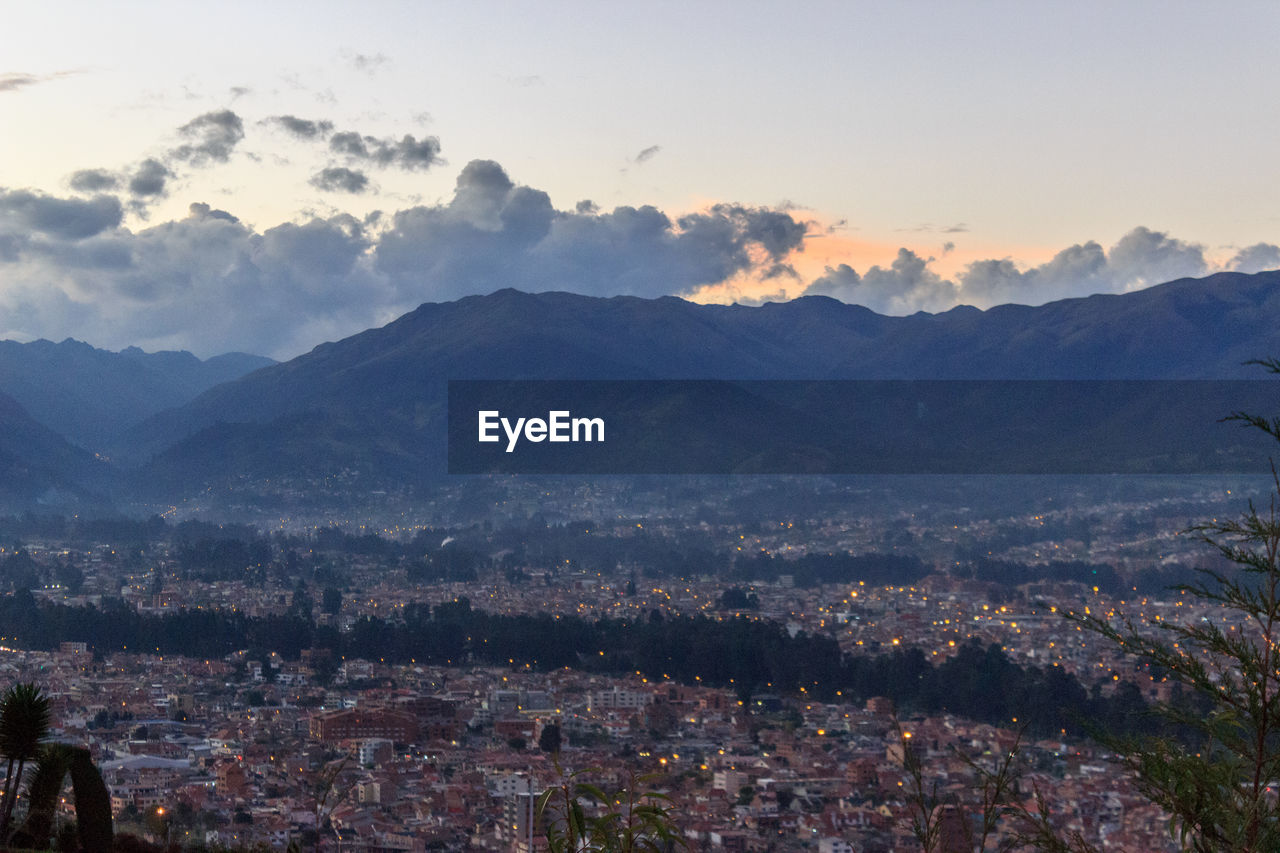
<point>1213,770</point>
<point>331,600</point>
<point>549,738</point>
<point>93,802</point>
<point>580,817</point>
<point>302,603</point>
<point>327,794</point>
<point>24,723</point>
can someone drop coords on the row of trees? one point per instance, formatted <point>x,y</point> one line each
<point>749,656</point>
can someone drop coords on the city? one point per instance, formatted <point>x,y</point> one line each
<point>280,745</point>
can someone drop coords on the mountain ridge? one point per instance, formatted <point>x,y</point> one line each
<point>40,467</point>
<point>89,395</point>
<point>375,401</point>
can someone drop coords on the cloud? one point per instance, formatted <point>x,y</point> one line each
<point>906,286</point>
<point>494,234</point>
<point>930,228</point>
<point>93,180</point>
<point>14,81</point>
<point>839,282</point>
<point>408,153</point>
<point>149,179</point>
<point>206,282</point>
<point>66,219</point>
<point>368,63</point>
<point>648,154</point>
<point>201,210</point>
<point>1076,270</point>
<point>340,179</point>
<point>211,283</point>
<point>1140,258</point>
<point>418,154</point>
<point>1256,258</point>
<point>1144,257</point>
<point>214,136</point>
<point>300,127</point>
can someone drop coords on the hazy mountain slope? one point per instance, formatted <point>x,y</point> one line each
<point>374,402</point>
<point>89,395</point>
<point>37,466</point>
<point>1191,328</point>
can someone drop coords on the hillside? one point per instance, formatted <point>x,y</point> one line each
<point>375,402</point>
<point>89,395</point>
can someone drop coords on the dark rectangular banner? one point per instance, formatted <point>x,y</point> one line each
<point>857,426</point>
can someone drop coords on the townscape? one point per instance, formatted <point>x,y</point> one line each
<point>267,746</point>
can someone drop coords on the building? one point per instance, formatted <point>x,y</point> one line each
<point>363,723</point>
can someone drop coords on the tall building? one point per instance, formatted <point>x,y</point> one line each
<point>522,830</point>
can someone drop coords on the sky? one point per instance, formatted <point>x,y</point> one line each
<point>267,177</point>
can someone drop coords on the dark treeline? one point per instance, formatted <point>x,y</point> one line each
<point>1149,580</point>
<point>751,657</point>
<point>1013,572</point>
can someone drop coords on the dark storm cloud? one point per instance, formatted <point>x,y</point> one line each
<point>149,179</point>
<point>63,218</point>
<point>340,179</point>
<point>213,136</point>
<point>93,180</point>
<point>300,127</point>
<point>648,154</point>
<point>408,153</point>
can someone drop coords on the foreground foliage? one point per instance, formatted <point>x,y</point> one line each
<point>1218,780</point>
<point>578,816</point>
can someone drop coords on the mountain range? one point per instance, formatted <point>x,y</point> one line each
<point>374,404</point>
<point>90,395</point>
